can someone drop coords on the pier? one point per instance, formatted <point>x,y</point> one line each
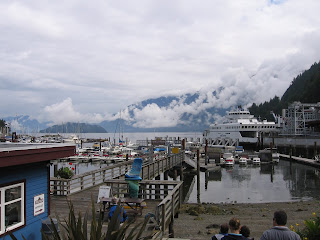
<point>163,198</point>
<point>302,160</point>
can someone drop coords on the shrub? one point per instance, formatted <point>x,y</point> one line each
<point>64,172</point>
<point>311,230</point>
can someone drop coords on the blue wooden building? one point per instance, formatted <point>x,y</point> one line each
<point>25,186</point>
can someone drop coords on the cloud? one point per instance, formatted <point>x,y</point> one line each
<point>64,112</point>
<point>106,55</point>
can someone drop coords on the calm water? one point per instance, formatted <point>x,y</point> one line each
<point>254,184</point>
<point>249,184</point>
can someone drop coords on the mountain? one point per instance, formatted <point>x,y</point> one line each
<point>25,124</point>
<point>195,118</point>
<point>191,112</point>
<point>74,128</point>
<point>304,88</point>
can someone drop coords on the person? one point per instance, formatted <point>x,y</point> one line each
<point>234,226</point>
<point>224,228</point>
<point>245,231</point>
<point>124,216</point>
<point>279,230</point>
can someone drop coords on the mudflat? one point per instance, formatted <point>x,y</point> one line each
<point>257,216</point>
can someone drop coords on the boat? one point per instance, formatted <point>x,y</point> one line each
<point>275,157</point>
<point>239,126</point>
<point>269,155</point>
<point>227,159</point>
<point>243,160</point>
<point>256,160</point>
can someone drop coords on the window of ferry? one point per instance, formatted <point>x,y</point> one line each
<point>12,204</point>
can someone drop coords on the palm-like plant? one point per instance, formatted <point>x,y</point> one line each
<point>76,228</point>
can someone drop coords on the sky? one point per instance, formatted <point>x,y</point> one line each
<point>84,61</point>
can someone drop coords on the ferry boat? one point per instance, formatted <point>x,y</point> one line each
<point>239,126</point>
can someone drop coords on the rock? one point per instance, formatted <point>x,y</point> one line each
<point>213,226</point>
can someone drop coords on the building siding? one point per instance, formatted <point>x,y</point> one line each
<point>36,179</point>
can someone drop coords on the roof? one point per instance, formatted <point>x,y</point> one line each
<point>12,154</point>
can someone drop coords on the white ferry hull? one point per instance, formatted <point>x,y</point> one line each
<point>240,127</point>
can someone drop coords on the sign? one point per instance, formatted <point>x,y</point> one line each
<point>175,150</point>
<point>104,192</point>
<point>38,204</point>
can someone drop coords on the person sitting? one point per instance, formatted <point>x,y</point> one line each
<point>245,231</point>
<point>124,216</point>
<point>224,228</point>
<point>279,230</point>
<point>234,226</point>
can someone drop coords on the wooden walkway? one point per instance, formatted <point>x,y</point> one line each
<point>306,161</point>
<point>82,202</point>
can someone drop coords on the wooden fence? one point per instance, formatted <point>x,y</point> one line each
<point>150,169</point>
<point>170,192</point>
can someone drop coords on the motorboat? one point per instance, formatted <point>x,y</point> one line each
<point>243,160</point>
<point>239,126</point>
<point>228,159</point>
<point>269,155</point>
<point>256,160</point>
<point>275,157</point>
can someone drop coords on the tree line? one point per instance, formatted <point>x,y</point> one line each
<point>304,88</point>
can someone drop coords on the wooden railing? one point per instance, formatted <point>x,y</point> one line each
<point>160,163</point>
<point>170,192</point>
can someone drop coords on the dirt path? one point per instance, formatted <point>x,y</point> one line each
<point>258,217</point>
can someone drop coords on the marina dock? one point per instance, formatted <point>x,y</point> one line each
<point>306,161</point>
<point>163,198</point>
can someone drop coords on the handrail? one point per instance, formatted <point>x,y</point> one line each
<point>160,163</point>
<point>169,206</point>
<point>170,193</point>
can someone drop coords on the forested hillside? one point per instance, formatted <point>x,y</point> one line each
<point>74,128</point>
<point>304,88</point>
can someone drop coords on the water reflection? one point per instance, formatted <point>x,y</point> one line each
<point>252,184</point>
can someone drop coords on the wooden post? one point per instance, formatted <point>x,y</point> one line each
<point>271,151</point>
<point>163,216</point>
<point>206,153</point>
<point>181,172</point>
<point>93,179</point>
<point>157,188</point>
<point>175,174</point>
<point>315,149</point>
<point>198,176</point>
<point>290,152</point>
<point>104,175</point>
<point>81,182</point>
<point>165,178</point>
<point>171,230</point>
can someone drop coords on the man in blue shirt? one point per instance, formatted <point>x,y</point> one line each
<point>279,230</point>
<point>124,216</point>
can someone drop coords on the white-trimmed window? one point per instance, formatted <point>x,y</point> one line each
<point>12,204</point>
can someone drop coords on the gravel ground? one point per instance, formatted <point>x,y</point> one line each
<point>258,217</point>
